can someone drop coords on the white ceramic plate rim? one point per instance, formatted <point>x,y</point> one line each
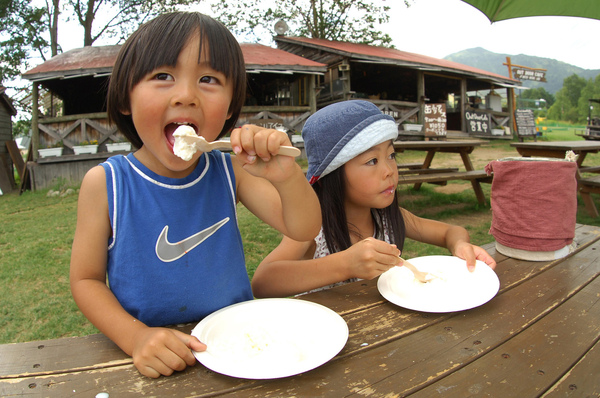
<point>479,287</point>
<point>323,335</point>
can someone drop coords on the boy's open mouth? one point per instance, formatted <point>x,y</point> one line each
<point>171,127</point>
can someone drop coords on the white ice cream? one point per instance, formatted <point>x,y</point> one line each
<point>184,147</point>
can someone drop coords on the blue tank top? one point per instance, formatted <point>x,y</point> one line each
<point>176,253</point>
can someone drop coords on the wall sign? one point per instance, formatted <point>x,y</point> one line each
<point>478,122</point>
<point>435,121</point>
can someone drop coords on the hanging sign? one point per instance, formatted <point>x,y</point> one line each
<point>435,120</point>
<point>529,74</point>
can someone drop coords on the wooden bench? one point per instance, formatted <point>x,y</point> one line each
<point>427,171</point>
<point>443,178</point>
<point>589,169</point>
<point>410,166</point>
<point>587,186</point>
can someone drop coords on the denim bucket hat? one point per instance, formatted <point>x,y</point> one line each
<point>339,132</point>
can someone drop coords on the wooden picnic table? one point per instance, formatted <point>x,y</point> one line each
<point>558,149</point>
<point>539,336</point>
<point>424,173</point>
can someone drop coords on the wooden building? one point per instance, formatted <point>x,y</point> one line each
<point>402,83</point>
<point>285,86</point>
<point>72,108</point>
<point>7,111</point>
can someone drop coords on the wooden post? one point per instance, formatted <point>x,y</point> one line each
<point>421,95</point>
<point>463,104</point>
<point>312,93</point>
<point>511,93</point>
<point>35,131</point>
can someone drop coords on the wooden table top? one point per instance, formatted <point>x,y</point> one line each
<point>538,337</point>
<point>440,146</point>
<point>581,145</point>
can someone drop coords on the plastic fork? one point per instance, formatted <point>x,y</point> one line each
<point>421,276</point>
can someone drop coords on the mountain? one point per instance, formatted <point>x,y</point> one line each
<point>556,72</point>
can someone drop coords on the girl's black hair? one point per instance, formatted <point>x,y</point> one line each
<point>158,43</point>
<point>331,192</point>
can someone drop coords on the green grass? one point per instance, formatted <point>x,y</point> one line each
<point>36,234</point>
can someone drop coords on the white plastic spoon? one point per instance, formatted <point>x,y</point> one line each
<point>189,136</point>
<point>421,276</point>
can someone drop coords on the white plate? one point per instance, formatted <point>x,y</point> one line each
<point>270,338</point>
<point>458,289</point>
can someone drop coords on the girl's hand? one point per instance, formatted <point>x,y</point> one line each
<point>470,253</point>
<point>161,351</point>
<point>370,258</point>
<point>257,148</point>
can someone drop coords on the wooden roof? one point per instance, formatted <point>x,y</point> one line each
<point>99,60</point>
<point>6,102</point>
<point>329,52</point>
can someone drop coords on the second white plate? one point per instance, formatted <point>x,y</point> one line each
<point>457,290</point>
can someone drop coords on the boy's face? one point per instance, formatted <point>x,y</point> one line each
<point>189,93</point>
<point>371,178</point>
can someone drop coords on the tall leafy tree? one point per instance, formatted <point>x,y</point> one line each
<point>20,39</point>
<point>355,21</point>
<point>567,98</point>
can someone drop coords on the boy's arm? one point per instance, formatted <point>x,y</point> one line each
<point>98,303</point>
<point>273,187</point>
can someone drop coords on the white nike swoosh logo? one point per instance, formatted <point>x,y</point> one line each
<point>167,251</point>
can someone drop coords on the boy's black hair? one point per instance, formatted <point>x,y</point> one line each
<point>158,43</point>
<point>331,192</point>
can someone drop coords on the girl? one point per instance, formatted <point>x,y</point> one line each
<point>164,229</point>
<point>352,167</point>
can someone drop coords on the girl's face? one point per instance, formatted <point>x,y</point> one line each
<point>371,178</point>
<point>190,93</point>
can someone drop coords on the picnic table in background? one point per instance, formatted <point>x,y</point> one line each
<point>558,149</point>
<point>419,173</point>
<point>540,335</point>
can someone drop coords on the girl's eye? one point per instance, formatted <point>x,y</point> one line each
<point>372,162</point>
<point>208,79</point>
<point>163,76</point>
<point>393,155</point>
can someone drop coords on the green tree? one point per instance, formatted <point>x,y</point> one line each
<point>344,20</point>
<point>19,37</point>
<point>567,100</point>
<point>584,107</point>
<point>538,93</point>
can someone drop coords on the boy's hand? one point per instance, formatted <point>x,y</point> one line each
<point>256,149</point>
<point>161,351</point>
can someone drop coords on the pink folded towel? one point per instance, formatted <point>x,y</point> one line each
<point>534,203</point>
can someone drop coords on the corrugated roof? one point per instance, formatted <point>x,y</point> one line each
<point>367,52</point>
<point>100,60</point>
<point>260,56</point>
